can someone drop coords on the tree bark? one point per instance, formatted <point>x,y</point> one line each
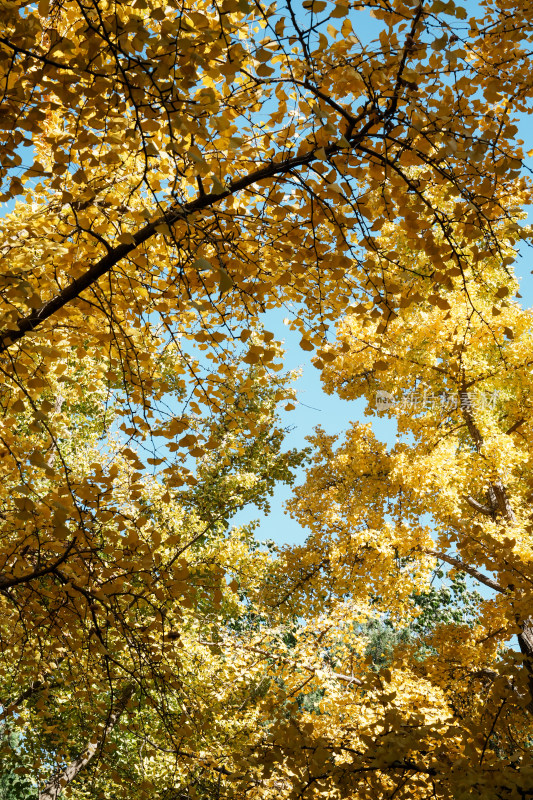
<point>499,498</point>
<point>61,779</point>
<point>525,640</point>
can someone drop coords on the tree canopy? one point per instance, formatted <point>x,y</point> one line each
<point>171,172</point>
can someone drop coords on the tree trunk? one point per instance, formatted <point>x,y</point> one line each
<point>55,786</point>
<point>525,640</point>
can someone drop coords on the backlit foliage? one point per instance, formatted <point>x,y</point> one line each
<point>456,488</point>
<point>170,171</point>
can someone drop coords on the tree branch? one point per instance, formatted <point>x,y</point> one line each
<point>478,506</point>
<point>173,215</point>
<point>515,427</point>
<point>472,571</point>
<point>36,687</point>
<point>8,583</point>
<point>339,676</point>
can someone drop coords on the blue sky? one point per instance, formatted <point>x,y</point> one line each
<point>331,412</point>
<point>315,407</point>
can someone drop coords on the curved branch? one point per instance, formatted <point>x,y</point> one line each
<point>169,218</point>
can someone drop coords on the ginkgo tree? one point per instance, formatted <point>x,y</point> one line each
<point>118,622</point>
<point>193,166</point>
<point>450,715</point>
<point>170,172</point>
<point>220,160</point>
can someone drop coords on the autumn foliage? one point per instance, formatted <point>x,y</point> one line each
<point>170,173</point>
